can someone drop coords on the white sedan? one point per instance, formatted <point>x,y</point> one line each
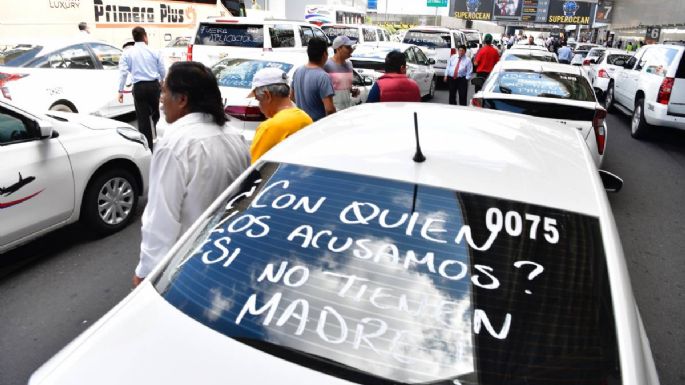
<point>73,75</point>
<point>558,92</point>
<point>602,68</point>
<point>489,256</point>
<point>369,60</point>
<point>59,168</point>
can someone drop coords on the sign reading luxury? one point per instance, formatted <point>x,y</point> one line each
<point>472,9</point>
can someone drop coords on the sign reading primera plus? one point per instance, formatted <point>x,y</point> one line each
<point>123,14</point>
<point>569,12</point>
<point>472,9</point>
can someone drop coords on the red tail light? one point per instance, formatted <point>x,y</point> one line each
<point>6,78</point>
<point>245,113</point>
<point>600,130</point>
<point>189,54</point>
<point>603,74</point>
<point>664,95</point>
<point>586,62</point>
<point>477,102</point>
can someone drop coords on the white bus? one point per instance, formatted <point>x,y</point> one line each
<point>109,20</point>
<point>320,14</point>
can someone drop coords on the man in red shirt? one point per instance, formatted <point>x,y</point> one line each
<point>394,85</point>
<point>486,58</point>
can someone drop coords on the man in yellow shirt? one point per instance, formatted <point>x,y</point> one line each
<point>270,88</point>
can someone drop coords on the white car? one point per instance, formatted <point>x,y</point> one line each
<point>489,257</point>
<point>59,168</point>
<point>226,37</point>
<point>473,41</point>
<point>651,88</point>
<point>357,33</point>
<point>525,53</point>
<point>176,50</point>
<point>437,43</point>
<point>558,92</point>
<point>369,60</point>
<point>235,83</point>
<point>602,68</point>
<point>67,75</point>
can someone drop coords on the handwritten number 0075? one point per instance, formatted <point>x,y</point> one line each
<point>513,223</point>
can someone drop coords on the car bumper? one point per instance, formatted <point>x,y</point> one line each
<point>657,114</point>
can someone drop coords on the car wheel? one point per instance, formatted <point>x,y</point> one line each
<point>62,107</point>
<point>638,124</point>
<point>431,91</point>
<point>609,98</point>
<point>110,201</point>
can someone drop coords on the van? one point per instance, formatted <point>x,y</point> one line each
<point>358,33</point>
<point>438,43</point>
<point>215,38</point>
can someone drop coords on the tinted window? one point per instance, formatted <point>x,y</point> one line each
<point>657,60</point>
<point>428,39</point>
<point>75,57</point>
<point>333,32</point>
<point>13,127</point>
<point>306,34</point>
<point>617,59</point>
<point>369,34</point>
<point>540,109</point>
<point>379,281</point>
<point>282,36</point>
<point>472,36</point>
<point>18,55</point>
<point>239,72</point>
<point>381,35</point>
<point>420,57</point>
<point>319,33</point>
<point>230,35</point>
<point>544,84</point>
<point>107,55</point>
<point>409,54</point>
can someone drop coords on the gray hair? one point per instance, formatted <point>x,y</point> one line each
<point>276,90</point>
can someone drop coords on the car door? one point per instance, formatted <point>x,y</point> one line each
<point>306,34</point>
<point>413,69</point>
<point>107,60</point>
<point>425,68</point>
<point>626,80</point>
<point>36,182</point>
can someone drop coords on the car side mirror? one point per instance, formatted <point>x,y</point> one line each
<point>368,81</point>
<point>611,182</point>
<point>431,61</point>
<point>46,129</point>
<point>478,81</point>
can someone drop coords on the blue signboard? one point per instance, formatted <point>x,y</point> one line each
<point>372,5</point>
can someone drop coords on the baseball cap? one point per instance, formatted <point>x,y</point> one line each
<point>268,76</point>
<point>341,41</point>
<point>487,38</point>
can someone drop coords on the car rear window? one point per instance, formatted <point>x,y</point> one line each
<point>544,85</point>
<point>333,32</point>
<point>239,72</point>
<point>611,59</point>
<point>382,281</point>
<point>529,56</point>
<point>239,35</point>
<point>18,55</point>
<point>428,39</point>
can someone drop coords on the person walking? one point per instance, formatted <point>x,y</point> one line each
<point>339,68</point>
<point>147,71</point>
<point>270,88</point>
<point>485,60</point>
<point>457,75</point>
<point>312,89</point>
<point>394,85</point>
<point>565,54</point>
<point>195,161</point>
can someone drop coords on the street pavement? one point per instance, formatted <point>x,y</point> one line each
<point>54,288</point>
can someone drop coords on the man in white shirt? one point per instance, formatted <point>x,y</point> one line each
<point>457,75</point>
<point>194,162</point>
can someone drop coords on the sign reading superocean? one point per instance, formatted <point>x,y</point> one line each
<point>472,9</point>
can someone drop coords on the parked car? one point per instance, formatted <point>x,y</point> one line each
<point>59,168</point>
<point>369,60</point>
<point>473,40</point>
<point>557,92</point>
<point>437,43</point>
<point>523,53</point>
<point>335,260</point>
<point>176,50</point>
<point>651,88</point>
<point>581,52</point>
<point>219,38</point>
<point>71,75</point>
<point>358,33</point>
<point>602,68</point>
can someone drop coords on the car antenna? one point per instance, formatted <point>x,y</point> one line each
<point>418,156</point>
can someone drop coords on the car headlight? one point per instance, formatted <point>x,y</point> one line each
<point>133,135</point>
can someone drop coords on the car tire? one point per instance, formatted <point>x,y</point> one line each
<point>638,124</point>
<point>62,107</point>
<point>609,98</point>
<point>110,201</point>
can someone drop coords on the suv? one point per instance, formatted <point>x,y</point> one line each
<point>651,88</point>
<point>216,37</point>
<point>438,43</point>
<point>358,33</point>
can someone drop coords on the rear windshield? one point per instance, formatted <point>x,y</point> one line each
<point>239,72</point>
<point>544,85</point>
<point>611,59</point>
<point>428,39</point>
<point>18,55</point>
<point>529,56</point>
<point>333,32</point>
<point>541,109</point>
<point>230,35</point>
<point>381,281</point>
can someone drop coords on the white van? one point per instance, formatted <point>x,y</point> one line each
<point>215,38</point>
<point>358,33</point>
<point>438,43</point>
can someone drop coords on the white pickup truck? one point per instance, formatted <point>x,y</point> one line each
<point>651,88</point>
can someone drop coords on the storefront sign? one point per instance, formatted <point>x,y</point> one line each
<point>569,12</point>
<point>472,9</point>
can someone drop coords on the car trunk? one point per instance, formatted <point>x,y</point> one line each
<point>676,105</point>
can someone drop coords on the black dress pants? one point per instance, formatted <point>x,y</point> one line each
<point>460,85</point>
<point>146,100</point>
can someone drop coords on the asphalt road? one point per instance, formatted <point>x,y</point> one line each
<point>54,288</point>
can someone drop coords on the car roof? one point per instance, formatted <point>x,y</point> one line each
<point>432,28</point>
<point>487,152</point>
<point>538,66</point>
